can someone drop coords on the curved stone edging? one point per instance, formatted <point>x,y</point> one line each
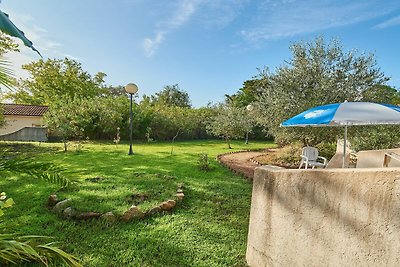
<point>240,169</point>
<point>63,209</point>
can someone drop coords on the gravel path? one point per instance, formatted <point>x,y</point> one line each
<point>240,162</point>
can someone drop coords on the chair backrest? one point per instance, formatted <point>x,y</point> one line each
<point>310,152</point>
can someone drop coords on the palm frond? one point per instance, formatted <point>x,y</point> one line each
<point>44,171</point>
<point>14,250</point>
<point>6,74</point>
<point>52,250</point>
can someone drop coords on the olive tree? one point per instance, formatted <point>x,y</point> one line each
<point>318,73</point>
<point>230,123</point>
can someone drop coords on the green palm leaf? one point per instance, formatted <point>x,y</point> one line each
<point>6,74</point>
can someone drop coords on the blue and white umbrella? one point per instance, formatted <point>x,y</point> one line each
<point>346,114</point>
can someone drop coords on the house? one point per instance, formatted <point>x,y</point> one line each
<point>23,123</point>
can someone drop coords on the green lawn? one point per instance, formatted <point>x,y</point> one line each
<point>209,228</point>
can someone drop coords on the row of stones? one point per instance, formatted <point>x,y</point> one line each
<point>220,161</point>
<point>63,208</point>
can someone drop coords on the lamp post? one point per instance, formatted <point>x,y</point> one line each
<point>131,89</point>
<point>249,108</point>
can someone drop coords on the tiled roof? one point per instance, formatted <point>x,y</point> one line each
<point>24,110</point>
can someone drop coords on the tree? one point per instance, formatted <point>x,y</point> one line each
<point>92,118</point>
<point>230,123</point>
<point>171,96</point>
<point>246,95</point>
<point>382,94</point>
<point>319,73</point>
<point>7,44</point>
<point>55,78</point>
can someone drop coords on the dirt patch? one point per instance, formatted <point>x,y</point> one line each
<point>241,162</point>
<point>244,163</point>
<point>277,157</point>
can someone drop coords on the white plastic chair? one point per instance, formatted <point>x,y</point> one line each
<point>309,157</point>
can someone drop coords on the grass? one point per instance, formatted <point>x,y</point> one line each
<point>209,228</point>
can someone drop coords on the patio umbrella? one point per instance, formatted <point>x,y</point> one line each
<point>346,114</point>
<point>9,28</point>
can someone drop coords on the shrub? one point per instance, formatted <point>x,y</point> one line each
<point>203,162</point>
<point>375,137</point>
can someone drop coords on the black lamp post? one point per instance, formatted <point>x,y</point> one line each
<point>131,89</point>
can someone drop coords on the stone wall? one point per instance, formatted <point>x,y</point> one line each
<point>322,217</point>
<point>38,134</point>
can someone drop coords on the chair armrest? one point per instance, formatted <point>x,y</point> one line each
<point>324,159</point>
<point>304,158</point>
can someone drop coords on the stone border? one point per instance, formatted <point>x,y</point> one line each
<point>64,210</point>
<point>218,158</point>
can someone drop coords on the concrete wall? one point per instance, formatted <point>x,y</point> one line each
<point>325,217</point>
<point>38,134</point>
<point>375,158</point>
<point>15,123</point>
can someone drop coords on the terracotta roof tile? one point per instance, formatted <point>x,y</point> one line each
<point>24,110</point>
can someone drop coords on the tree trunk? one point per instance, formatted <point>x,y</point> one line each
<point>173,140</point>
<point>229,144</point>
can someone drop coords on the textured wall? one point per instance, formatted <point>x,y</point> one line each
<point>38,134</point>
<point>375,158</point>
<point>15,123</point>
<point>337,217</point>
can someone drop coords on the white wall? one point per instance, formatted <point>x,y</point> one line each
<point>15,123</point>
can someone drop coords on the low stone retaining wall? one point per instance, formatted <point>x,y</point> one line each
<point>38,134</point>
<point>325,217</point>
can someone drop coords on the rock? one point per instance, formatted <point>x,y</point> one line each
<point>69,213</point>
<point>180,195</point>
<point>95,179</point>
<point>88,215</point>
<point>132,213</point>
<point>154,210</point>
<point>138,198</point>
<point>109,217</point>
<point>60,206</point>
<point>181,186</point>
<point>169,177</point>
<point>52,200</point>
<point>168,205</point>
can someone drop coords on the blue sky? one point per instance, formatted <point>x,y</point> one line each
<point>208,47</point>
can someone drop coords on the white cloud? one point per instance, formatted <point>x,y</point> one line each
<point>388,23</point>
<point>287,18</point>
<point>181,15</point>
<point>151,45</point>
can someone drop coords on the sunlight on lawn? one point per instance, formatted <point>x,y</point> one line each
<point>209,228</point>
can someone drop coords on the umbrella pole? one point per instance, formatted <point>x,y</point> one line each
<point>344,146</point>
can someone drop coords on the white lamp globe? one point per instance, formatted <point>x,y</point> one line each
<point>131,88</point>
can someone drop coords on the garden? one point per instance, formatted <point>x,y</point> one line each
<point>81,200</point>
<point>208,227</point>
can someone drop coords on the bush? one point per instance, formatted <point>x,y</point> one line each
<point>375,137</point>
<point>290,155</point>
<point>203,162</point>
<point>326,149</point>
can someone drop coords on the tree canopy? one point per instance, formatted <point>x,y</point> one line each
<point>230,123</point>
<point>171,96</point>
<point>318,73</point>
<point>55,78</point>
